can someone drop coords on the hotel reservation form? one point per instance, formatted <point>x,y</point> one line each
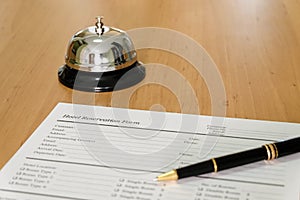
<point>83,152</point>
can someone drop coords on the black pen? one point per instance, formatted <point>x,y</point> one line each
<point>265,152</point>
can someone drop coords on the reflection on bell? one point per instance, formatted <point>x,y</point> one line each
<point>101,58</point>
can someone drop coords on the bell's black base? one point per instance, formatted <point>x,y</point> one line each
<point>101,81</point>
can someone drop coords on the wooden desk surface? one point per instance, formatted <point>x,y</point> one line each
<point>255,45</point>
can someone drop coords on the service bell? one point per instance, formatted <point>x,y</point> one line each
<point>101,58</point>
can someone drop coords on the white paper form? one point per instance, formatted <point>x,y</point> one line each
<point>88,152</point>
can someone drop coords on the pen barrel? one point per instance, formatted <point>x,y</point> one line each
<point>266,152</point>
<point>278,149</point>
<point>288,147</point>
<point>224,162</point>
<point>195,169</point>
<point>241,158</point>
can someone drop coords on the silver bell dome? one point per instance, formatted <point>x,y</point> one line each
<point>100,53</point>
<point>100,49</point>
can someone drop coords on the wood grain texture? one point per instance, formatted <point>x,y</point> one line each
<point>255,45</point>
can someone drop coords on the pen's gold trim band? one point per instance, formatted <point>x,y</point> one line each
<point>273,153</point>
<point>268,151</point>
<point>215,165</point>
<point>276,150</point>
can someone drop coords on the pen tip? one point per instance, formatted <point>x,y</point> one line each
<point>169,176</point>
<point>155,179</point>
